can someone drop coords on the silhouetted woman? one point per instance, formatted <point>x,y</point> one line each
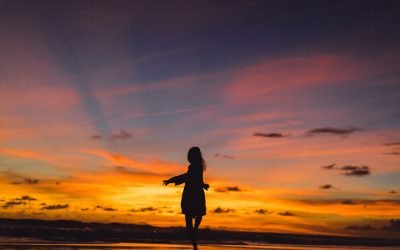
<point>193,202</point>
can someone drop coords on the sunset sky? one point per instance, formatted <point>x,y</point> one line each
<point>294,104</point>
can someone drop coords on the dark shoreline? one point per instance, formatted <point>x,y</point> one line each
<point>68,231</point>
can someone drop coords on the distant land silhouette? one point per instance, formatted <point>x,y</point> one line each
<point>68,231</point>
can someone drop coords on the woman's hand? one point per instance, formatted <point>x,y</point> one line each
<point>166,182</point>
<point>206,186</point>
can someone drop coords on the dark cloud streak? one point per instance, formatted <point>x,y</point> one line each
<point>333,131</point>
<point>26,198</point>
<point>12,204</point>
<point>96,137</point>
<point>262,211</point>
<point>393,153</point>
<point>329,167</point>
<point>144,209</point>
<point>326,186</point>
<point>348,202</point>
<point>228,189</point>
<point>287,213</point>
<point>55,207</point>
<point>269,135</point>
<point>357,171</point>
<point>219,210</point>
<point>350,170</point>
<point>122,135</point>
<point>107,209</point>
<point>31,181</point>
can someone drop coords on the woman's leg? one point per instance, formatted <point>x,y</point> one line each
<point>190,230</point>
<point>197,221</point>
<point>189,226</point>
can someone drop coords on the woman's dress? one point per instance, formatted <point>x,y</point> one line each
<point>193,201</point>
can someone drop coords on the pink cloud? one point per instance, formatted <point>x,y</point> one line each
<point>154,166</point>
<point>256,81</point>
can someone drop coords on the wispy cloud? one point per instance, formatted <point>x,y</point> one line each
<point>130,170</point>
<point>155,167</point>
<point>255,81</point>
<point>17,178</point>
<point>218,155</point>
<point>121,135</point>
<point>389,144</point>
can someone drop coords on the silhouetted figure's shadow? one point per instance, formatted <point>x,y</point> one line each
<point>193,202</point>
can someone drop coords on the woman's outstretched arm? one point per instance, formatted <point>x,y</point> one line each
<point>177,180</point>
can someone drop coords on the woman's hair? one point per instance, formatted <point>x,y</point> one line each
<point>195,158</point>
